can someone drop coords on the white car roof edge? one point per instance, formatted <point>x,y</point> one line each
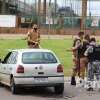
<point>26,49</point>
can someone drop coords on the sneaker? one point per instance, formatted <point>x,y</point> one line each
<point>82,82</point>
<point>90,86</point>
<point>90,89</point>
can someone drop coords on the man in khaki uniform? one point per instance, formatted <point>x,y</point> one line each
<point>33,37</point>
<point>80,61</point>
<point>76,44</point>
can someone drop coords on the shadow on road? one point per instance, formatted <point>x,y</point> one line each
<point>37,92</point>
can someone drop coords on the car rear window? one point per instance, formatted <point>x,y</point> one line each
<point>38,58</point>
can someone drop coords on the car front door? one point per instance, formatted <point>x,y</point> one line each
<point>3,70</point>
<point>9,61</point>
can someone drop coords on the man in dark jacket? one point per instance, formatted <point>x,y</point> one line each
<point>93,55</point>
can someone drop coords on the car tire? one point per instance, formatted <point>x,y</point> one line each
<point>13,86</point>
<point>1,84</point>
<point>59,89</point>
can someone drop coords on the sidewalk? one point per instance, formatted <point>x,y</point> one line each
<point>23,36</point>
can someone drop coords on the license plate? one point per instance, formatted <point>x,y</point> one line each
<point>41,80</point>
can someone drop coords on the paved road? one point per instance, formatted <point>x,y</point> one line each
<point>70,93</point>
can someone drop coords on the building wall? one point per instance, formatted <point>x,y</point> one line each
<point>16,7</point>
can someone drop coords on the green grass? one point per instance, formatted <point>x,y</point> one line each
<point>59,46</point>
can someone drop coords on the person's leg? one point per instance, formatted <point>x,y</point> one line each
<point>83,66</point>
<point>90,76</point>
<point>97,74</point>
<point>37,45</point>
<point>73,81</point>
<point>82,71</point>
<point>30,45</point>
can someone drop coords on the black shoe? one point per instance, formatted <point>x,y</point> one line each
<point>90,89</point>
<point>73,81</point>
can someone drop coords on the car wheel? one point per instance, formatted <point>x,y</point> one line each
<point>13,87</point>
<point>1,84</point>
<point>59,89</point>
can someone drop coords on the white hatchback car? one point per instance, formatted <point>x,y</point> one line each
<point>32,67</point>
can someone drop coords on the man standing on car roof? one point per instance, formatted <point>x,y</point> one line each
<point>33,37</point>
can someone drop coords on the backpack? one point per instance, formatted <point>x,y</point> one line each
<point>95,55</point>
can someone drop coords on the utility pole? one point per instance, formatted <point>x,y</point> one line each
<point>35,6</point>
<point>24,6</point>
<point>84,13</point>
<point>3,11</point>
<point>49,16</point>
<point>44,9</point>
<point>39,11</point>
<point>55,6</point>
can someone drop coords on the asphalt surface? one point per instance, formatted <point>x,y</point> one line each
<point>70,93</point>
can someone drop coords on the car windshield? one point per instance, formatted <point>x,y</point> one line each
<point>38,58</point>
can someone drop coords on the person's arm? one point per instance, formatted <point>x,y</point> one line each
<point>77,45</point>
<point>89,50</point>
<point>28,36</point>
<point>38,37</point>
<point>69,50</point>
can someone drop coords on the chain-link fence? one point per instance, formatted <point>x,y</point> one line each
<point>59,13</point>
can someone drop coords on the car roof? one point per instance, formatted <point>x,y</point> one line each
<point>31,50</point>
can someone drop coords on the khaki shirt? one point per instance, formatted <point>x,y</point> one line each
<point>33,36</point>
<point>77,44</point>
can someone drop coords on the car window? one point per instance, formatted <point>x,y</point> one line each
<point>6,58</point>
<point>38,58</point>
<point>12,58</point>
